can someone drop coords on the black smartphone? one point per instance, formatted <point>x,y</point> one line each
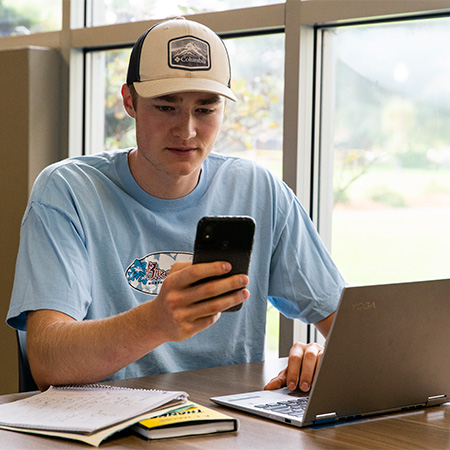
<point>225,238</point>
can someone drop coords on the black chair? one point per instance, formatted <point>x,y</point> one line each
<point>26,381</point>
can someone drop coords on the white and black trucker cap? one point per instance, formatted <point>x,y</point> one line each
<point>179,55</point>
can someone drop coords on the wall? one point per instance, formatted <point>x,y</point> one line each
<point>29,141</point>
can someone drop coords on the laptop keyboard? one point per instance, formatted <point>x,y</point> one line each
<point>295,407</point>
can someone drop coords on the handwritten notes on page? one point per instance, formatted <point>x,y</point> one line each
<point>83,409</point>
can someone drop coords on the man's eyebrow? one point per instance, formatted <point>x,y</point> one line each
<point>169,98</point>
<point>173,98</point>
<point>211,100</point>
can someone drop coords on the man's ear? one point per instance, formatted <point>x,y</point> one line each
<point>128,101</point>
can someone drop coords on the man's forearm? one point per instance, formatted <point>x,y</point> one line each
<point>64,351</point>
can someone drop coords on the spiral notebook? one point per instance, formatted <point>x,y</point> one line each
<point>88,413</point>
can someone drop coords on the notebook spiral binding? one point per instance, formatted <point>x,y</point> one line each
<point>94,386</point>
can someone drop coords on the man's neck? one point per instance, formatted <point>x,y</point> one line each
<point>162,185</point>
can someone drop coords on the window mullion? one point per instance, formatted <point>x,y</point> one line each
<point>297,133</point>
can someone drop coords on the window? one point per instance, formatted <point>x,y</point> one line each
<point>388,142</point>
<point>22,17</point>
<point>253,125</point>
<point>119,11</point>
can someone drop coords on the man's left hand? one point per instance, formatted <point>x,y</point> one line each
<point>302,364</point>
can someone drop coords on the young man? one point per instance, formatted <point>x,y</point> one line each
<point>104,282</point>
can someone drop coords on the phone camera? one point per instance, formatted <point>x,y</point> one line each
<point>208,233</point>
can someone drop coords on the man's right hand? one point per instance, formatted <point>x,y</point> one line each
<point>181,304</point>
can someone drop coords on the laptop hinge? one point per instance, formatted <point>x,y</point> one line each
<point>436,400</point>
<point>323,418</point>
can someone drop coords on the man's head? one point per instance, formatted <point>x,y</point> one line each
<point>177,56</point>
<point>177,82</point>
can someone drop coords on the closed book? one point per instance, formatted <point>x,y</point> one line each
<point>190,420</point>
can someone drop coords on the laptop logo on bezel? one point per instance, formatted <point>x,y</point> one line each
<point>364,306</point>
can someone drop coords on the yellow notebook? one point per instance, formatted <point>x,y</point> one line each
<point>190,420</point>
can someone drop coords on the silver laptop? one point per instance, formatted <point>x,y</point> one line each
<point>388,350</point>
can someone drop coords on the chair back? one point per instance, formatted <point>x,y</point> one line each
<point>26,381</point>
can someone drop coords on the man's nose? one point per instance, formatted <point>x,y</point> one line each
<point>185,127</point>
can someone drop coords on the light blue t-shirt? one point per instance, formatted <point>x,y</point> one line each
<point>94,244</point>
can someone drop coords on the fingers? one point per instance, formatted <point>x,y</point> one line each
<point>222,288</point>
<point>278,382</point>
<point>302,365</point>
<point>188,273</point>
<point>190,278</point>
<point>181,303</point>
<point>179,266</point>
<point>221,302</point>
<point>311,358</point>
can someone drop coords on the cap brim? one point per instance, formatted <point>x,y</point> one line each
<point>158,88</point>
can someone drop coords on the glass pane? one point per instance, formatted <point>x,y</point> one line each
<point>252,127</point>
<point>109,12</point>
<point>391,146</point>
<point>19,17</point>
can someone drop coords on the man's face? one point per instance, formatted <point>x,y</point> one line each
<point>176,133</point>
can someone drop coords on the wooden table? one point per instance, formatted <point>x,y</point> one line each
<point>421,429</point>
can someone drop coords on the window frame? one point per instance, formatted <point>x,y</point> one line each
<point>325,80</point>
<point>298,19</point>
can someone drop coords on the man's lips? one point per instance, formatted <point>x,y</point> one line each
<point>182,150</point>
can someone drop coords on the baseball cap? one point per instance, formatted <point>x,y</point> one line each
<point>179,55</point>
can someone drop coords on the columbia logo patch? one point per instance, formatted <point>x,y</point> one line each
<point>189,53</point>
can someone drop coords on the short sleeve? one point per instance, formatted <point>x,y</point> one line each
<point>304,283</point>
<point>52,268</point>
